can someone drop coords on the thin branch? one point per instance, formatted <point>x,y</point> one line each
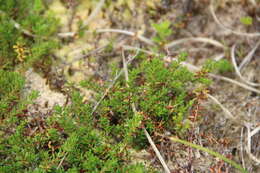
<point>226,111</point>
<point>66,34</point>
<point>111,85</point>
<point>127,47</point>
<point>255,131</point>
<point>233,58</point>
<point>218,57</point>
<point>195,39</point>
<point>236,83</point>
<point>249,56</point>
<point>241,147</point>
<point>106,92</point>
<point>194,68</point>
<point>228,29</point>
<point>92,52</point>
<point>248,148</point>
<point>129,33</point>
<point>62,160</point>
<point>158,154</point>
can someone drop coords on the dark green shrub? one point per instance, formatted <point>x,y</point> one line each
<point>67,142</point>
<point>163,94</point>
<point>72,138</point>
<point>17,47</point>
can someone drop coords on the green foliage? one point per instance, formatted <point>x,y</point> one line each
<point>163,94</point>
<point>220,66</point>
<point>11,83</point>
<point>17,47</point>
<point>72,138</point>
<point>68,138</point>
<point>248,21</point>
<point>163,31</point>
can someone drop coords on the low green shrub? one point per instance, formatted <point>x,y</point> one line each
<point>19,48</point>
<point>164,95</point>
<point>73,138</point>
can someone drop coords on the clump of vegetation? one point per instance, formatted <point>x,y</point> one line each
<point>248,21</point>
<point>164,95</point>
<point>18,47</point>
<point>163,31</point>
<point>65,141</point>
<point>73,138</point>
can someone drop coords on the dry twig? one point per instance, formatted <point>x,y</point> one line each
<point>194,68</point>
<point>241,147</point>
<point>250,134</point>
<point>228,29</point>
<point>111,85</point>
<point>226,111</point>
<point>195,39</point>
<point>62,160</point>
<point>129,33</point>
<point>248,57</point>
<point>233,57</point>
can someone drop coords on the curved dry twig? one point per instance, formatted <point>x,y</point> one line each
<point>233,58</point>
<point>129,33</point>
<point>226,111</point>
<point>228,29</point>
<point>249,56</point>
<point>194,68</point>
<point>195,39</point>
<point>249,137</point>
<point>236,83</point>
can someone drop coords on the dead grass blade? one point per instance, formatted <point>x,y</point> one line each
<point>211,152</point>
<point>129,33</point>
<point>233,58</point>
<point>211,8</point>
<point>250,134</point>
<point>195,39</point>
